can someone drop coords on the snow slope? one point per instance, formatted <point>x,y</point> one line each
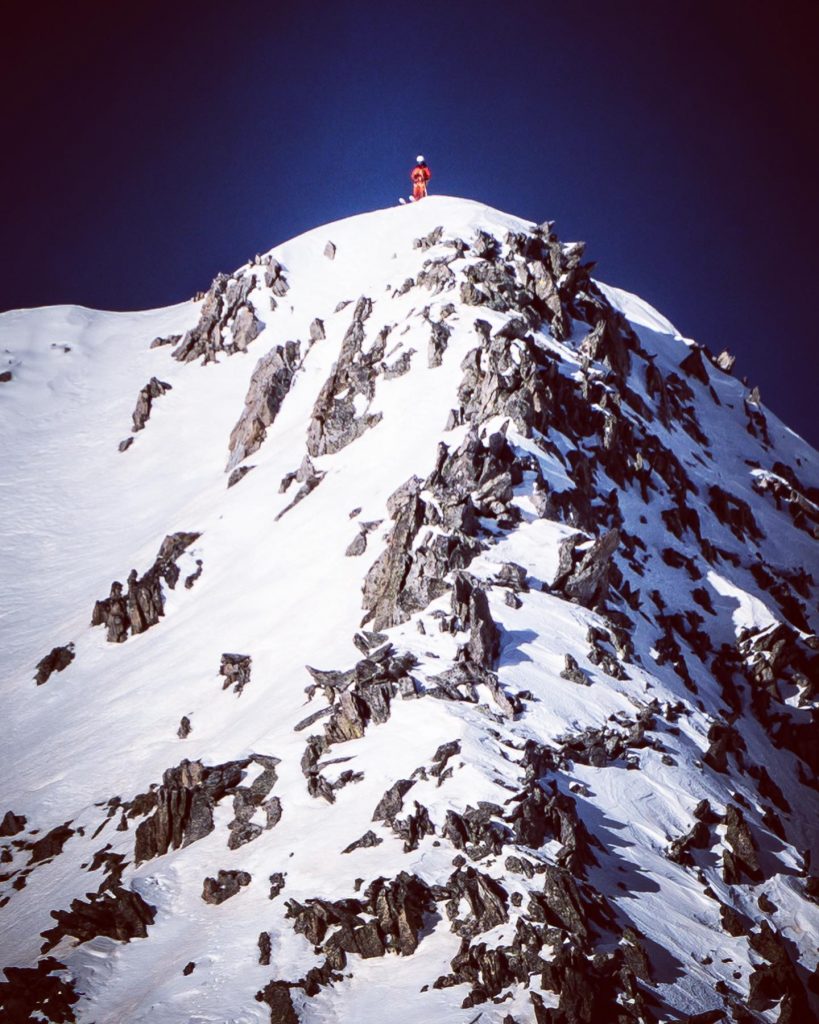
<point>77,513</point>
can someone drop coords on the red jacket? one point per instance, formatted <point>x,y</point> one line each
<point>420,174</point>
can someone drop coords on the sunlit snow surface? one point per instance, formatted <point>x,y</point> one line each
<point>75,514</point>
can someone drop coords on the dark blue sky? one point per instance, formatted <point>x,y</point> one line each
<point>148,146</point>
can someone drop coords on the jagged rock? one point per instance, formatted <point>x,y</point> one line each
<point>335,422</point>
<point>276,884</point>
<point>265,949</point>
<point>574,673</point>
<point>277,996</point>
<point>588,580</point>
<point>185,728</point>
<point>121,914</point>
<point>183,806</point>
<point>368,839</point>
<point>224,886</point>
<point>309,478</point>
<point>401,365</point>
<point>227,322</point>
<point>37,993</point>
<point>725,740</point>
<point>413,828</point>
<point>697,838</point>
<point>744,859</point>
<point>725,361</point>
<point>386,577</point>
<point>269,385</point>
<point>51,844</point>
<point>438,342</point>
<point>399,906</point>
<point>125,444</point>
<point>486,898</point>
<point>12,824</point>
<point>475,832</point>
<point>317,331</point>
<point>357,546</point>
<point>392,802</point>
<point>564,905</point>
<point>235,669</point>
<point>778,979</point>
<point>239,473</point>
<point>194,576</point>
<point>429,240</point>
<point>56,660</point>
<point>694,366</point>
<point>155,388</point>
<point>143,604</point>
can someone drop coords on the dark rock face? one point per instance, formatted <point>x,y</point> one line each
<point>142,605</point>
<point>224,886</point>
<point>392,802</point>
<point>12,824</point>
<point>121,914</point>
<point>35,993</point>
<point>742,859</point>
<point>777,979</point>
<point>486,899</point>
<point>183,806</point>
<point>587,582</point>
<point>154,389</point>
<point>269,385</point>
<point>56,660</point>
<point>573,672</point>
<point>277,996</point>
<point>235,668</point>
<point>368,839</point>
<point>335,422</point>
<point>51,844</point>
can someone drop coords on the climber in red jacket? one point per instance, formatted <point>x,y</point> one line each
<point>419,176</point>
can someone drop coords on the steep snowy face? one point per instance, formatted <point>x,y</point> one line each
<point>459,662</point>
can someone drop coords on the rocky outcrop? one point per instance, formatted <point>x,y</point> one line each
<point>12,824</point>
<point>182,807</point>
<point>58,659</point>
<point>742,859</point>
<point>121,914</point>
<point>224,886</point>
<point>336,420</point>
<point>38,993</point>
<point>358,697</point>
<point>269,385</point>
<point>235,669</point>
<point>154,389</point>
<point>276,994</point>
<point>389,919</point>
<point>588,580</point>
<point>51,844</point>
<point>227,321</point>
<point>142,605</point>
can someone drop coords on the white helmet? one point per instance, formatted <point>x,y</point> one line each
<point>420,160</point>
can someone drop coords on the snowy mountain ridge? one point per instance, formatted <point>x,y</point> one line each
<point>485,690</point>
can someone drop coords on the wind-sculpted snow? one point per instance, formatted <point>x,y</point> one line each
<point>532,636</point>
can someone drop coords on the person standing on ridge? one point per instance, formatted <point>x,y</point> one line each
<point>419,176</point>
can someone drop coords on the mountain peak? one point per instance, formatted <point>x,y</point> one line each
<point>459,653</point>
